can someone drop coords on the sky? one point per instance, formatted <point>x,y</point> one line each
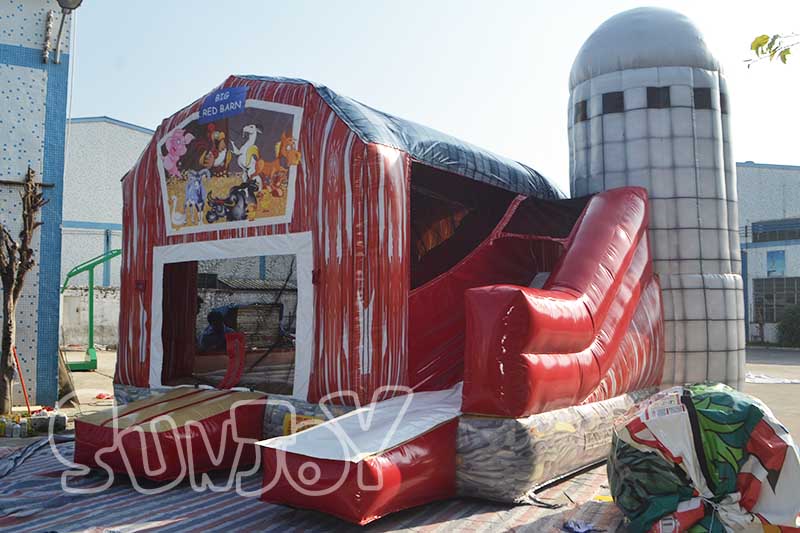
<point>491,72</point>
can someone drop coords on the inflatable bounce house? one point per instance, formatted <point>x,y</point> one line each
<point>459,326</point>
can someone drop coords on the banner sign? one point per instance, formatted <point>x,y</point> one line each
<point>223,103</point>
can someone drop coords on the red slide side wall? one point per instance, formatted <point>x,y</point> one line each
<point>593,331</point>
<point>436,329</point>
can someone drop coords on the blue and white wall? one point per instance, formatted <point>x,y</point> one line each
<point>33,110</point>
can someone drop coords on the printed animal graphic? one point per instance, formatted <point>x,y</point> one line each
<point>273,173</point>
<point>248,153</point>
<point>177,144</point>
<point>234,206</point>
<point>228,170</point>
<point>196,194</point>
<point>178,218</point>
<point>223,159</point>
<point>219,153</point>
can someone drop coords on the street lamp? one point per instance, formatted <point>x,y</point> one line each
<point>67,6</point>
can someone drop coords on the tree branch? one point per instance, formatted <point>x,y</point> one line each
<point>780,46</point>
<point>32,202</point>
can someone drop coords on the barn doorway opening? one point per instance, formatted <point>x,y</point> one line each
<point>234,313</point>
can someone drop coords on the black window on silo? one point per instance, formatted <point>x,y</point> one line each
<point>613,102</point>
<point>657,97</point>
<point>723,103</point>
<point>580,112</point>
<point>702,98</point>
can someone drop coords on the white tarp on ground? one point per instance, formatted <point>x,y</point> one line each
<point>374,428</point>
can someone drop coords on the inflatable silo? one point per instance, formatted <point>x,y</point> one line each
<point>649,107</point>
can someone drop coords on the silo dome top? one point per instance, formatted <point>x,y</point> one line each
<point>640,38</point>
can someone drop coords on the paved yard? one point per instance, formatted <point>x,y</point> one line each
<point>784,400</point>
<point>89,384</point>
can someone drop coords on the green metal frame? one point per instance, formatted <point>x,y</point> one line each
<point>88,266</point>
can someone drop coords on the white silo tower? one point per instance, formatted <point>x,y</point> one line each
<point>649,107</point>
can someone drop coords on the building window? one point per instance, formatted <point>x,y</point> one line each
<point>776,263</point>
<point>702,98</point>
<point>613,102</point>
<point>772,296</point>
<point>658,97</point>
<point>723,103</point>
<point>580,112</point>
<point>777,230</point>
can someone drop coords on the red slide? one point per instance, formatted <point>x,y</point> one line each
<point>593,331</point>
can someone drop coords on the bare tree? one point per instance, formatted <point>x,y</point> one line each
<point>16,259</point>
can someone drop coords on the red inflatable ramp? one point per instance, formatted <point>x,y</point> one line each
<point>371,462</point>
<point>173,435</point>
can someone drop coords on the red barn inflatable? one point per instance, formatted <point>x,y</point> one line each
<point>370,206</point>
<point>419,261</point>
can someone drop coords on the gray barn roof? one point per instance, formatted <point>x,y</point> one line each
<point>431,147</point>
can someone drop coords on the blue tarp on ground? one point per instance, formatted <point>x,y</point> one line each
<point>32,499</point>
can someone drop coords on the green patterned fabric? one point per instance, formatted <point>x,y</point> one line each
<point>676,460</point>
<point>726,419</point>
<point>645,486</point>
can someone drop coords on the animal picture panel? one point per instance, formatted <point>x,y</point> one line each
<point>230,172</point>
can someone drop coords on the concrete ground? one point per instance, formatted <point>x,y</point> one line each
<point>89,384</point>
<point>784,400</point>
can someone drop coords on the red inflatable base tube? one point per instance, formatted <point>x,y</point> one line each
<point>420,471</point>
<point>200,431</point>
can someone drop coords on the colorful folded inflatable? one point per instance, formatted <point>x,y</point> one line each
<point>705,458</point>
<point>172,435</point>
<point>388,456</point>
<point>505,459</point>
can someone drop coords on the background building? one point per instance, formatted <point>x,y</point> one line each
<point>769,214</point>
<point>100,150</point>
<point>33,113</point>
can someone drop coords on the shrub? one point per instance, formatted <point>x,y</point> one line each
<point>789,327</point>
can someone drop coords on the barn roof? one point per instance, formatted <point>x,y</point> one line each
<point>429,146</point>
